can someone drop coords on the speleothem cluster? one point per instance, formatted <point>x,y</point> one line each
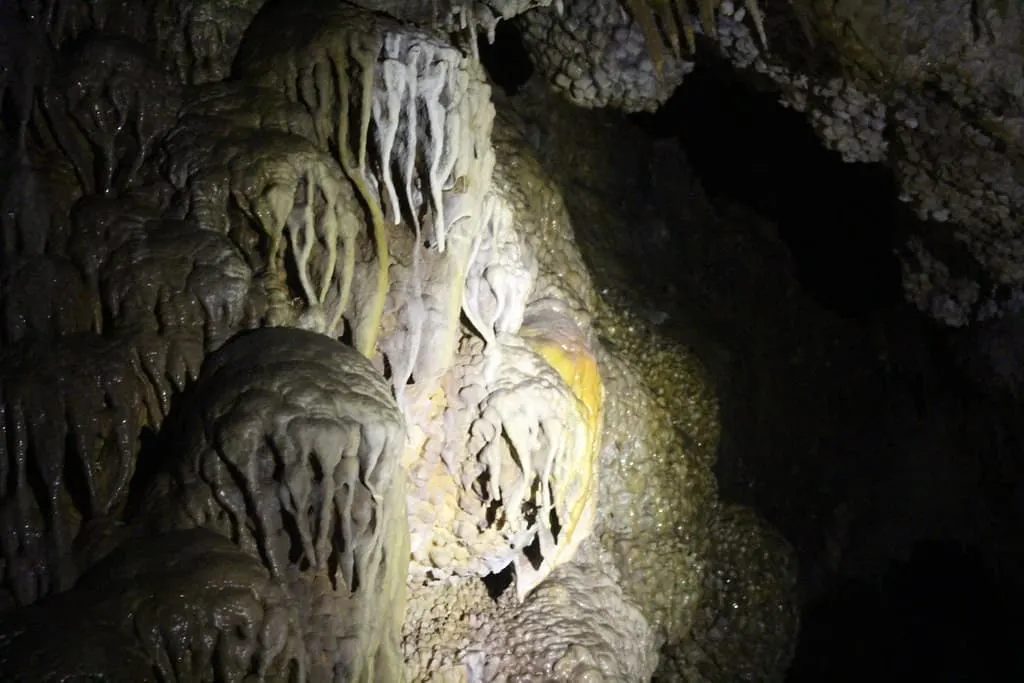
<point>933,91</point>
<point>930,90</point>
<point>299,348</point>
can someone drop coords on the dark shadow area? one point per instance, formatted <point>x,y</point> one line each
<point>845,421</point>
<point>877,410</point>
<point>499,582</point>
<point>840,221</point>
<point>506,59</point>
<point>941,617</point>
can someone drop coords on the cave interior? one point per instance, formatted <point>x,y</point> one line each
<point>936,604</point>
<point>849,420</point>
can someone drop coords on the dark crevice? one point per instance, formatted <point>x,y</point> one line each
<point>533,554</point>
<point>841,222</point>
<point>506,59</point>
<point>554,524</point>
<point>498,582</point>
<point>348,339</point>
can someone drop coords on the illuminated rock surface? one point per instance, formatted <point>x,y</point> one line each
<point>304,355</point>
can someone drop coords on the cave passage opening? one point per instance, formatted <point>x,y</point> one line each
<point>935,616</point>
<point>842,223</point>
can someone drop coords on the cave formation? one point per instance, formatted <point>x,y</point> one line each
<point>500,340</point>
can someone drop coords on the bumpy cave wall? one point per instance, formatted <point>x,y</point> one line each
<point>961,386</point>
<point>930,90</point>
<point>285,282</point>
<point>299,349</point>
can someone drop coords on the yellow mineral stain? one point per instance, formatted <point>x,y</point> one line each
<point>575,364</point>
